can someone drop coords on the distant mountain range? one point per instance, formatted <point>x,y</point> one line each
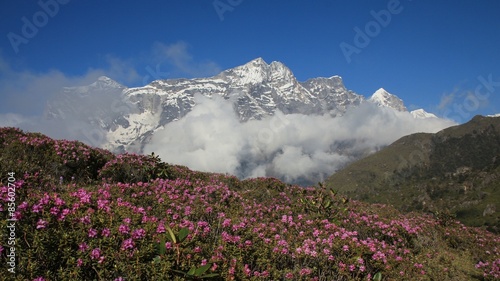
<point>127,117</point>
<point>455,172</point>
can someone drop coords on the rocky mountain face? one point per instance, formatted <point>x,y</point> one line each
<point>127,117</point>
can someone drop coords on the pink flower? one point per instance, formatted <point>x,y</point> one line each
<point>79,262</point>
<point>105,232</point>
<point>59,202</point>
<point>92,233</point>
<point>160,228</point>
<point>41,224</point>
<point>124,229</point>
<point>128,244</point>
<point>63,214</point>
<point>305,271</point>
<point>138,233</point>
<point>54,211</point>
<point>247,270</point>
<point>36,208</point>
<point>83,247</point>
<point>84,220</point>
<point>226,223</point>
<point>23,205</point>
<point>96,253</point>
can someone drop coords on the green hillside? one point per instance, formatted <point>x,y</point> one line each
<point>455,172</point>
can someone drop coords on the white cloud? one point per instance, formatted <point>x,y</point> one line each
<point>25,93</point>
<point>293,147</point>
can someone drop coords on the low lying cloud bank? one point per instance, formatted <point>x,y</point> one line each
<point>296,148</point>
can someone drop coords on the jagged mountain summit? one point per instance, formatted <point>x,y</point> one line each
<point>383,98</point>
<point>129,116</point>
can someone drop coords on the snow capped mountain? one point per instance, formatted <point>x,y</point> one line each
<point>494,115</point>
<point>383,98</point>
<point>128,117</point>
<point>422,114</point>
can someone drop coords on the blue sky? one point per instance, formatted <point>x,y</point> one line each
<point>440,55</point>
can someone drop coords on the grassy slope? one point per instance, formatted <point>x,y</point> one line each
<point>455,170</point>
<point>85,214</point>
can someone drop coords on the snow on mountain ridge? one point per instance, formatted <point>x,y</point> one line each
<point>383,98</point>
<point>256,89</point>
<point>422,114</point>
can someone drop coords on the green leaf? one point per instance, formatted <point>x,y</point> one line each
<point>327,204</point>
<point>179,272</point>
<point>210,275</point>
<point>171,235</point>
<point>183,233</point>
<point>156,259</point>
<point>202,269</point>
<point>377,276</point>
<point>162,249</point>
<point>192,271</point>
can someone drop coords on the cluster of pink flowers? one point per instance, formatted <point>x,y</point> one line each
<point>490,269</point>
<point>241,233</point>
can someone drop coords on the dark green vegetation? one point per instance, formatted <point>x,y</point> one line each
<point>85,214</point>
<point>455,172</point>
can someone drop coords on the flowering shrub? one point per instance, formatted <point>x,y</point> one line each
<point>47,162</point>
<point>168,223</point>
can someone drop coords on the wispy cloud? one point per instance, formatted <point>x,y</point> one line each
<point>468,98</point>
<point>446,100</point>
<point>177,55</point>
<point>19,86</point>
<point>25,93</point>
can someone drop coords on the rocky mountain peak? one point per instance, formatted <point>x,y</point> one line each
<point>256,90</point>
<point>383,98</point>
